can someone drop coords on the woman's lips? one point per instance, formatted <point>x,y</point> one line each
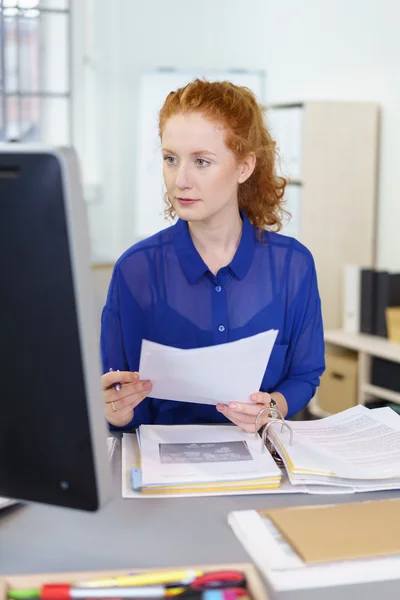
<point>187,201</point>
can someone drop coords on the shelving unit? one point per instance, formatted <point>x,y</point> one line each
<point>329,152</point>
<point>366,347</point>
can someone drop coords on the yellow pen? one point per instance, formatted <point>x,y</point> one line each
<point>183,577</point>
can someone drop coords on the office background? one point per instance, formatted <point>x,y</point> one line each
<point>71,72</point>
<point>309,50</point>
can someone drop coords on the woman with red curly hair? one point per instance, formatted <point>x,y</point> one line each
<point>220,273</point>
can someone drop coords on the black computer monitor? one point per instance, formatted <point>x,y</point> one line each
<point>53,446</point>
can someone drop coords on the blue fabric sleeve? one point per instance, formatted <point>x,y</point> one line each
<point>306,353</point>
<point>113,345</point>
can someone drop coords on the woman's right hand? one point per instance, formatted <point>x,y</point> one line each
<point>119,405</point>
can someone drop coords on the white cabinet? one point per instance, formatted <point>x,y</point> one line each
<point>329,151</point>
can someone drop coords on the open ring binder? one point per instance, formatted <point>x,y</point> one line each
<point>273,418</point>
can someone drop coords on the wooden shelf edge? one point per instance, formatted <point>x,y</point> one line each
<point>380,392</point>
<point>361,342</point>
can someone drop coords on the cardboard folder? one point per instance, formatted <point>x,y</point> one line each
<point>328,533</point>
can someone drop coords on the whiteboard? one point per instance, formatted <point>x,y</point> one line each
<point>154,87</point>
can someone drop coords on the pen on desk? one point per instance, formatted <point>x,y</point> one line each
<point>116,386</point>
<point>68,592</point>
<point>180,577</point>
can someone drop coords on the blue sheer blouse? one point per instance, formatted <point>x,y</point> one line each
<point>161,290</point>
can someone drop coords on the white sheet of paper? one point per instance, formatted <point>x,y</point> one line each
<point>223,373</point>
<point>202,454</point>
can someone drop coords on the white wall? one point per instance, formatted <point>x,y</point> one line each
<point>136,35</point>
<point>344,50</point>
<point>310,49</point>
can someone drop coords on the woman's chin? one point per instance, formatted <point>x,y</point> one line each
<point>190,212</point>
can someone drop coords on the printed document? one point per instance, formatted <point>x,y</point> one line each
<point>191,454</point>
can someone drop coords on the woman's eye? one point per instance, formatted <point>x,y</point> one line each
<point>170,160</point>
<point>202,162</point>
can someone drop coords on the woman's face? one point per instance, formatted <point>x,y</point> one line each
<point>200,173</point>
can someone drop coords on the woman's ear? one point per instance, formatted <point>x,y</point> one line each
<point>247,166</point>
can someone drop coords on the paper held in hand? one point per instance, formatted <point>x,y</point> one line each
<point>224,373</point>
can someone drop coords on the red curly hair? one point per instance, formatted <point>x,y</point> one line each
<point>237,109</point>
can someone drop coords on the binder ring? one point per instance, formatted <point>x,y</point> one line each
<point>267,426</point>
<point>274,411</point>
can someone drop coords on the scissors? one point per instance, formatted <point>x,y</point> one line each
<point>218,580</point>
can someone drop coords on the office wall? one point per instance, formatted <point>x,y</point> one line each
<point>133,36</point>
<point>310,50</point>
<point>345,50</point>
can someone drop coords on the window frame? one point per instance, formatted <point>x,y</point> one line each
<point>40,94</point>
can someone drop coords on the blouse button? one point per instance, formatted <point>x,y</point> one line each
<point>218,288</point>
<point>221,328</point>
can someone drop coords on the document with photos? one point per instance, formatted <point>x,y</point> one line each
<point>357,450</point>
<point>195,454</point>
<point>223,373</point>
<point>132,485</point>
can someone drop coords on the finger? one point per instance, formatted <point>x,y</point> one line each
<point>235,415</point>
<point>127,390</point>
<point>108,379</point>
<point>119,413</point>
<point>261,398</point>
<point>120,417</point>
<point>240,417</point>
<point>117,406</point>
<point>243,419</point>
<point>249,427</point>
<point>246,408</point>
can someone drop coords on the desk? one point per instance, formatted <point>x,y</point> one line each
<point>151,533</point>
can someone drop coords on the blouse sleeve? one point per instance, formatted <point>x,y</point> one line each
<point>121,337</point>
<point>306,352</point>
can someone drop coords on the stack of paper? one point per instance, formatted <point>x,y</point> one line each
<point>199,459</point>
<point>313,547</point>
<point>358,448</point>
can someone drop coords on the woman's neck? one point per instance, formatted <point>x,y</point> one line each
<point>217,241</point>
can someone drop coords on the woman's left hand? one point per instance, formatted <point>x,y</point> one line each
<point>244,414</point>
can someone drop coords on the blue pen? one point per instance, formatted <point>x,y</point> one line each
<point>116,386</point>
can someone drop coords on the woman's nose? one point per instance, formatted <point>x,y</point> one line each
<point>182,177</point>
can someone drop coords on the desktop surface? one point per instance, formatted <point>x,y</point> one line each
<point>151,532</point>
